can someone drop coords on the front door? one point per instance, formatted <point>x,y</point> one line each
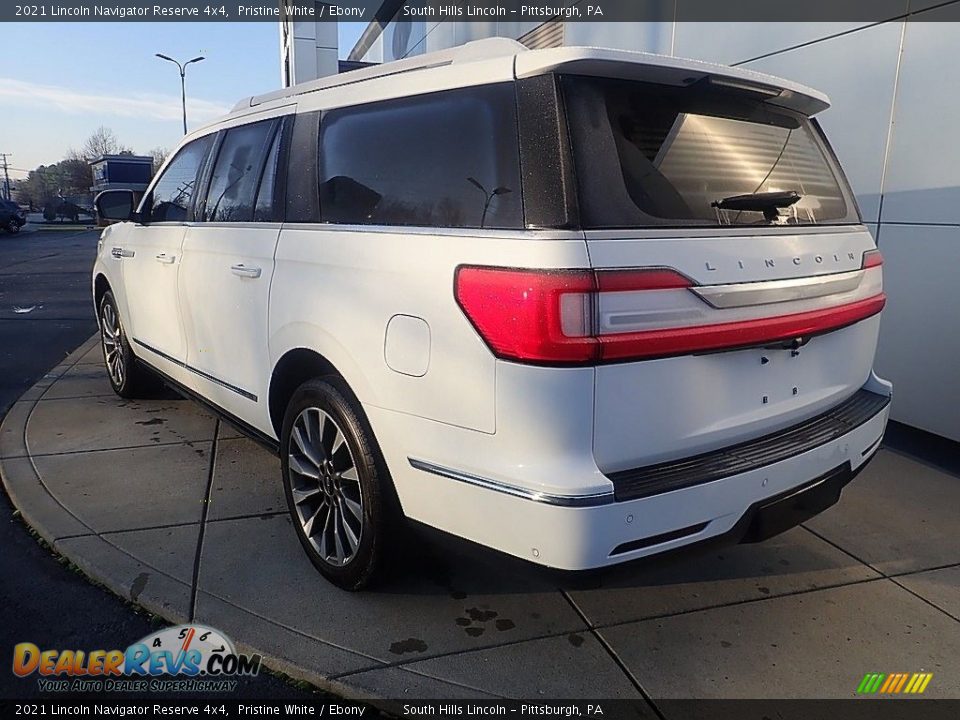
<point>151,261</point>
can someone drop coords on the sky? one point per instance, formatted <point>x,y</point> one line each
<point>60,81</point>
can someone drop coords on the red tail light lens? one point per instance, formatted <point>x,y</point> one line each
<point>519,312</point>
<point>546,316</point>
<point>871,258</point>
<point>645,279</point>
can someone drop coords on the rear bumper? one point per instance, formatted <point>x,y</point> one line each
<point>750,504</point>
<point>757,453</point>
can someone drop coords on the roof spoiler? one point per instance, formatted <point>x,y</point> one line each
<point>667,70</point>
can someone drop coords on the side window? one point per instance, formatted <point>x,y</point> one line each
<point>233,184</point>
<point>266,208</point>
<point>446,159</point>
<point>172,195</point>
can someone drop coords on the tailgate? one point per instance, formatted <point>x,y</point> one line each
<point>762,338</point>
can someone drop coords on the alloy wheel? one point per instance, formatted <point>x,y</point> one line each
<point>325,486</point>
<point>112,337</point>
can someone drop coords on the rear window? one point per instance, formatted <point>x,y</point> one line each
<point>654,155</point>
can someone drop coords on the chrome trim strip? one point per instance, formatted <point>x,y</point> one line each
<point>201,373</point>
<point>458,232</point>
<point>672,232</point>
<point>744,294</point>
<point>591,500</point>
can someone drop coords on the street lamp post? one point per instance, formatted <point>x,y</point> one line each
<point>183,83</point>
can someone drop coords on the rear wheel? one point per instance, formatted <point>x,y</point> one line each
<point>13,227</point>
<point>336,483</point>
<point>127,378</point>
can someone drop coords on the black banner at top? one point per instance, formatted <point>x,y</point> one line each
<point>519,11</point>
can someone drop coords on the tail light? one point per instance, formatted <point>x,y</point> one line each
<point>871,259</point>
<point>585,317</point>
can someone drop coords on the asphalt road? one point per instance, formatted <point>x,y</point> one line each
<point>41,600</point>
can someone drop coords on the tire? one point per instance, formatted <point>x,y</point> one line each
<point>127,378</point>
<point>338,491</point>
<point>13,227</point>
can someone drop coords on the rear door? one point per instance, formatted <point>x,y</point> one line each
<point>227,267</point>
<point>738,291</point>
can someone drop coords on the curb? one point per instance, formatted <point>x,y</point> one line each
<point>58,228</point>
<point>43,513</point>
<point>19,475</point>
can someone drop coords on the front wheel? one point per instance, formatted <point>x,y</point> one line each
<point>13,227</point>
<point>336,483</point>
<point>127,378</point>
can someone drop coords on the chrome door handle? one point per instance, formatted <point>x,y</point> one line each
<point>121,253</point>
<point>244,271</point>
<point>166,259</point>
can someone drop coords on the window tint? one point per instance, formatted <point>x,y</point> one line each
<point>446,159</point>
<point>265,210</point>
<point>661,155</point>
<point>236,174</point>
<point>172,196</point>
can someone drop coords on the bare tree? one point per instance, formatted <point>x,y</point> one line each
<point>102,142</point>
<point>159,155</point>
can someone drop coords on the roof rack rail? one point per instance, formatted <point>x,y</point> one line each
<point>484,49</point>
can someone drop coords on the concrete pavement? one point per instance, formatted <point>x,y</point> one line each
<point>175,510</point>
<point>41,599</point>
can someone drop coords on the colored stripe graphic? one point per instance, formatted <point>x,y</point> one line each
<point>894,683</point>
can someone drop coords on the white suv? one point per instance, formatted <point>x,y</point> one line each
<point>578,305</point>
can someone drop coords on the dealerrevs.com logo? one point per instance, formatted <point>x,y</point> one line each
<point>187,658</point>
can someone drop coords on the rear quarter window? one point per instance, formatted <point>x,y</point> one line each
<point>447,159</point>
<point>653,155</point>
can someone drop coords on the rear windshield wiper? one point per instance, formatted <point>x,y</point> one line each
<point>768,203</point>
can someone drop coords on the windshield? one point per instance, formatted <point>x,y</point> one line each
<point>654,155</point>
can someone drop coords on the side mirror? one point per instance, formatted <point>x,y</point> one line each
<point>115,205</point>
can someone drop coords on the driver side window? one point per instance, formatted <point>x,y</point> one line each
<point>172,196</point>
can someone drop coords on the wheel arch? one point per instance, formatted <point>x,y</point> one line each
<point>295,367</point>
<point>100,288</point>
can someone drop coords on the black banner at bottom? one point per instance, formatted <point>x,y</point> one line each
<point>853,709</point>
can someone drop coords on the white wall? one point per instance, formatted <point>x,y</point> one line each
<point>309,50</point>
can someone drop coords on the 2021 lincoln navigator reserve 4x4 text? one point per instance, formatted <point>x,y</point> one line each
<point>578,305</point>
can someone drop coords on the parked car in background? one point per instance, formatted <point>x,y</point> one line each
<point>65,210</point>
<point>578,305</point>
<point>12,217</point>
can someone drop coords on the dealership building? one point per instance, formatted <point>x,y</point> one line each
<point>892,123</point>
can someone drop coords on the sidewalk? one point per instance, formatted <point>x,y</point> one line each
<point>176,511</point>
